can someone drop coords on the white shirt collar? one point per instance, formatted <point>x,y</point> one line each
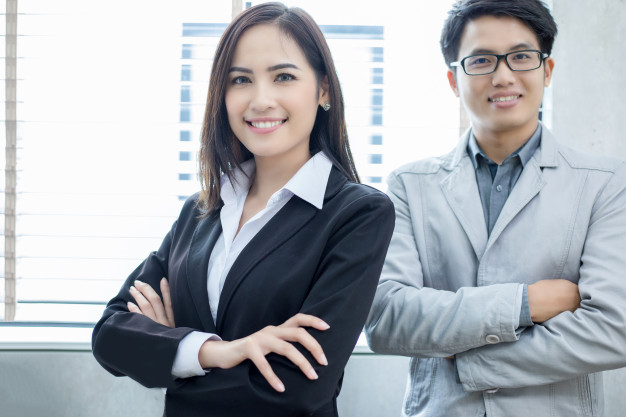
<point>309,183</point>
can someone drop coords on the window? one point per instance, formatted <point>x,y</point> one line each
<point>185,136</point>
<point>377,75</point>
<point>377,117</point>
<point>376,159</point>
<point>185,73</point>
<point>377,54</point>
<point>187,51</point>
<point>377,97</point>
<point>185,94</point>
<point>102,169</point>
<point>185,113</point>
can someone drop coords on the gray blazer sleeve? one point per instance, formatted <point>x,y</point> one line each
<point>409,318</point>
<point>591,339</point>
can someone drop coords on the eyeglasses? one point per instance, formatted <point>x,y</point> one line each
<point>526,60</point>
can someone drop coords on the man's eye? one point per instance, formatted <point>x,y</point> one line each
<point>522,56</point>
<point>480,61</point>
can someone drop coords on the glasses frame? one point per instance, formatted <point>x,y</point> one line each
<point>499,57</point>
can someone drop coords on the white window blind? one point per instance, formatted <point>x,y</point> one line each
<point>110,97</point>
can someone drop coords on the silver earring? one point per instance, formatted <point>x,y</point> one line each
<point>326,106</point>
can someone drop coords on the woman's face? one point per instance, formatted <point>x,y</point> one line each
<point>272,94</point>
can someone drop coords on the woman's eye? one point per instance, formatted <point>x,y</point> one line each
<point>240,80</point>
<point>284,77</point>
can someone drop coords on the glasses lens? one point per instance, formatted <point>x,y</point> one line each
<point>480,64</point>
<point>524,60</point>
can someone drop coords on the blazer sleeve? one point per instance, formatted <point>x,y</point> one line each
<point>408,318</point>
<point>131,344</point>
<point>591,339</point>
<point>341,294</point>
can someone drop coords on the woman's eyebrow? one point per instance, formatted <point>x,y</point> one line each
<point>240,69</point>
<point>282,66</point>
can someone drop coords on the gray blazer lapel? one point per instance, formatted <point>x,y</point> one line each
<point>202,243</point>
<point>461,192</point>
<point>528,185</point>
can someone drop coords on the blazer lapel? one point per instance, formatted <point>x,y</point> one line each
<point>202,242</point>
<point>528,185</point>
<point>286,223</point>
<point>461,192</point>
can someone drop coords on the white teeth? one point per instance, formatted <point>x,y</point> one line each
<point>266,125</point>
<point>507,98</point>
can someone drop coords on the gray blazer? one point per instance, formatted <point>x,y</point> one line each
<point>449,289</point>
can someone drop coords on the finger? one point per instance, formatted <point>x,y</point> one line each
<point>294,355</point>
<point>155,301</point>
<point>132,307</point>
<point>142,303</point>
<point>303,337</point>
<point>266,370</point>
<point>167,301</point>
<point>306,320</point>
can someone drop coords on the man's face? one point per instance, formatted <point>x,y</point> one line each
<point>504,102</point>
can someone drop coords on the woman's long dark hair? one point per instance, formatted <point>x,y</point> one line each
<point>221,151</point>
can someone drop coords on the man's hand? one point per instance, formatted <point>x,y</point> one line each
<point>550,297</point>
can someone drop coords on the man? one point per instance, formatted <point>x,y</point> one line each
<point>495,242</point>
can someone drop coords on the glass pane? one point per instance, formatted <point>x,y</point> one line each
<point>110,123</point>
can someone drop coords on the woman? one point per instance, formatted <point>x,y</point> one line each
<point>269,271</point>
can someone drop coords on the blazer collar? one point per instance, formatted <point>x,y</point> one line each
<point>461,190</point>
<point>287,222</point>
<point>545,155</point>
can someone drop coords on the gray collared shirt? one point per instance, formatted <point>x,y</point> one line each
<point>495,183</point>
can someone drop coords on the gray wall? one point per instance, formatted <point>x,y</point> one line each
<point>589,100</point>
<point>589,85</point>
<point>72,383</point>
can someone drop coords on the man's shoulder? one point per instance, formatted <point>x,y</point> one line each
<point>426,166</point>
<point>577,159</point>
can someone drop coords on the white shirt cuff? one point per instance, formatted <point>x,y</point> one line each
<point>186,363</point>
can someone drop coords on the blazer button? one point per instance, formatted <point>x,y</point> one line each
<point>492,339</point>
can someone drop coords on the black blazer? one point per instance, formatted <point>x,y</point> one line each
<point>322,262</point>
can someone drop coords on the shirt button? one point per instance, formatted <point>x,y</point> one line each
<point>491,391</point>
<point>492,339</point>
<point>499,188</point>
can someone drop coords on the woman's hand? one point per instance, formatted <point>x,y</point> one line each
<point>149,303</point>
<point>225,355</point>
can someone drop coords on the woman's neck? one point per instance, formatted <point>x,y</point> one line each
<point>273,173</point>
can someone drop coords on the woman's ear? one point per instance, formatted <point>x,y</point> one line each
<point>324,94</point>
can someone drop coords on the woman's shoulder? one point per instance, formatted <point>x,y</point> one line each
<point>358,195</point>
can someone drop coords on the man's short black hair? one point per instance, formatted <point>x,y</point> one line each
<point>533,13</point>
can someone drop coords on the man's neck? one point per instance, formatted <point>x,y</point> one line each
<point>497,146</point>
